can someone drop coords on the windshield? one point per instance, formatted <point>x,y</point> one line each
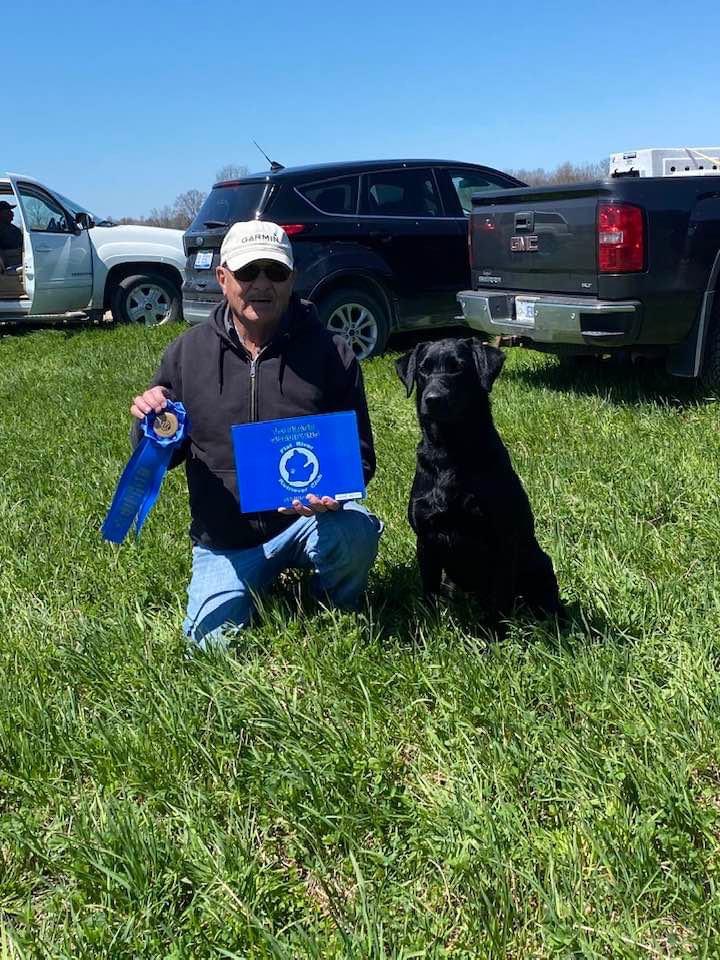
<point>227,204</point>
<point>76,208</point>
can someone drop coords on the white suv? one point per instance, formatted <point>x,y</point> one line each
<point>72,263</point>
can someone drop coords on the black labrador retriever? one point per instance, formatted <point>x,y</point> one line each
<point>473,521</point>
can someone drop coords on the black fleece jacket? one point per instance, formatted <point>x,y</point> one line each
<point>303,370</point>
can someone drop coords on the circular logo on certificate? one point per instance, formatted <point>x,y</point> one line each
<point>299,467</point>
<point>165,425</point>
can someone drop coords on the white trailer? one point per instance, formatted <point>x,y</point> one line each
<point>666,162</point>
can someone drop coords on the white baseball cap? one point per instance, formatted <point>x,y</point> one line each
<point>249,240</point>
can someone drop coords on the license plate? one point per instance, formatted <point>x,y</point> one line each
<point>525,312</point>
<point>203,259</point>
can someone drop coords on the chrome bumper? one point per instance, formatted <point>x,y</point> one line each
<point>198,311</point>
<point>555,319</point>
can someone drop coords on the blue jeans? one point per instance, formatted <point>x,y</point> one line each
<point>339,547</point>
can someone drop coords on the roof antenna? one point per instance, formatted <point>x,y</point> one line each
<point>274,165</point>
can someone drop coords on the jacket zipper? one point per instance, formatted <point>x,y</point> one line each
<point>253,385</point>
<point>261,526</point>
<point>253,389</point>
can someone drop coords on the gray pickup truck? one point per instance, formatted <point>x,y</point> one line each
<point>628,264</point>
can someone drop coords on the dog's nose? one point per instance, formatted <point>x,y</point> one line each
<point>434,404</point>
<point>432,398</point>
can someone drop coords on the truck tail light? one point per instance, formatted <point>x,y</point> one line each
<point>621,238</point>
<point>293,229</point>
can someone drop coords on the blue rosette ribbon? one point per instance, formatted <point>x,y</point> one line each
<point>140,483</point>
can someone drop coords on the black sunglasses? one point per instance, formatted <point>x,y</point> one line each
<point>275,272</point>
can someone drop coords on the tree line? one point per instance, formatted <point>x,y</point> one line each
<point>180,214</point>
<point>564,173</point>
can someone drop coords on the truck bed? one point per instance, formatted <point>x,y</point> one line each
<point>543,242</point>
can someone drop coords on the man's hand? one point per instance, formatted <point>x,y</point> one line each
<point>314,505</point>
<point>152,401</point>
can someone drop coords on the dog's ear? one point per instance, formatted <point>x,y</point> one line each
<point>488,362</point>
<point>406,366</point>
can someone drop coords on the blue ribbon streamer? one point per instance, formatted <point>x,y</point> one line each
<point>140,483</point>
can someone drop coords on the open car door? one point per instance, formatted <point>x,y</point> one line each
<point>57,260</point>
<point>15,303</point>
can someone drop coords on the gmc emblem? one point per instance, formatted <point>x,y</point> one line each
<point>529,243</point>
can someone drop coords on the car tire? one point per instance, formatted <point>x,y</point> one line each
<point>146,298</point>
<point>710,373</point>
<point>359,317</point>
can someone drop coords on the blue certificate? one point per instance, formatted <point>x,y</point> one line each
<point>278,461</point>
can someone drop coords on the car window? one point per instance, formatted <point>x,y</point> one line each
<point>332,196</point>
<point>401,193</point>
<point>227,204</point>
<point>42,213</point>
<point>467,182</point>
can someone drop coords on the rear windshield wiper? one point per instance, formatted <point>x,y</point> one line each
<point>215,223</point>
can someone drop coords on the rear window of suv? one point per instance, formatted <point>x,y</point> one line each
<point>332,196</point>
<point>227,204</point>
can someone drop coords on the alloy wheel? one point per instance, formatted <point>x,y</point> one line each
<point>357,324</point>
<point>149,304</point>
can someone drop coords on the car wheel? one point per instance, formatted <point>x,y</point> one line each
<point>148,298</point>
<point>710,373</point>
<point>359,318</point>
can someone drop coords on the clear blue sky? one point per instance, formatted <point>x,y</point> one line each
<point>123,105</point>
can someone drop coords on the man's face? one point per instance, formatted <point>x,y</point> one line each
<point>260,300</point>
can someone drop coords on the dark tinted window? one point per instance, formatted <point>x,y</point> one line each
<point>401,193</point>
<point>332,196</point>
<point>467,182</point>
<point>225,205</point>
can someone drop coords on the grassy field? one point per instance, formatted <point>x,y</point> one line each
<point>385,786</point>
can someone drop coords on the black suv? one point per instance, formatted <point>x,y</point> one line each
<point>379,245</point>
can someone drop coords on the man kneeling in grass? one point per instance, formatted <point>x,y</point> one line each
<point>262,355</point>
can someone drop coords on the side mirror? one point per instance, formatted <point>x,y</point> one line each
<point>84,220</point>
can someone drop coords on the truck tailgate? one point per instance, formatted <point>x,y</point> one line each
<point>536,239</point>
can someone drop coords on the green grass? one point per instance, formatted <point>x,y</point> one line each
<point>386,786</point>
